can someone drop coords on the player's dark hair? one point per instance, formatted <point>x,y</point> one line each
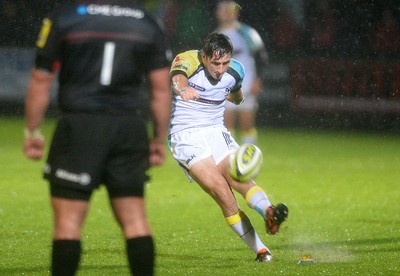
<point>218,44</point>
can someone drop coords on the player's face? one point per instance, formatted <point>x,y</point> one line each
<point>216,66</point>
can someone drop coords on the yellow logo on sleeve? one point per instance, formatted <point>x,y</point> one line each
<point>44,33</point>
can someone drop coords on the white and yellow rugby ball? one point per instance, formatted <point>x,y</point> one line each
<point>245,163</point>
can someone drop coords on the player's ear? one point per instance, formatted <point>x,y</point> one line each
<point>203,56</point>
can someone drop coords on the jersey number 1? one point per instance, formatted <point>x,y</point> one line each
<point>107,66</point>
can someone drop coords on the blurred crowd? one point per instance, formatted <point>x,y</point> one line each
<point>360,29</point>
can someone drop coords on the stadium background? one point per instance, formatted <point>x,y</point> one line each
<point>333,64</point>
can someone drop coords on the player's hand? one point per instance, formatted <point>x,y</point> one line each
<point>189,93</point>
<point>34,147</point>
<point>157,153</point>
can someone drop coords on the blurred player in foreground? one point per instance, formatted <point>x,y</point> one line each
<point>248,49</point>
<point>103,51</point>
<point>202,81</point>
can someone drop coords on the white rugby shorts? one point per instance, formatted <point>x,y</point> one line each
<point>193,145</point>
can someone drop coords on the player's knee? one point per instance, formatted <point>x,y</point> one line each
<point>67,230</point>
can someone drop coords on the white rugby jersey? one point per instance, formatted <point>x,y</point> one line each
<point>208,109</point>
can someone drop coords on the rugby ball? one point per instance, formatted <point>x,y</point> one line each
<point>245,163</point>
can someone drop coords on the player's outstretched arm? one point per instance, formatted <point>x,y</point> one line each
<point>160,108</point>
<point>36,103</point>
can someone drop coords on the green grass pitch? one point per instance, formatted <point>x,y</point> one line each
<point>342,189</point>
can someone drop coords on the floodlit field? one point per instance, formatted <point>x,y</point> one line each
<point>342,190</point>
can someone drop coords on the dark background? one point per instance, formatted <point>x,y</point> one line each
<point>329,35</point>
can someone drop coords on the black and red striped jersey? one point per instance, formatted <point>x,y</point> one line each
<point>103,50</point>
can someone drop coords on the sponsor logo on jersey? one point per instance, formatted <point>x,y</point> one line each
<point>195,86</point>
<point>207,101</point>
<point>179,59</point>
<point>108,10</point>
<point>181,66</point>
<point>44,33</point>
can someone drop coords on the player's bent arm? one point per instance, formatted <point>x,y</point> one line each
<point>180,86</point>
<point>179,83</point>
<point>160,103</point>
<point>37,99</point>
<point>236,97</point>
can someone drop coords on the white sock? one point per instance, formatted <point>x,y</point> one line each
<point>241,225</point>
<point>257,199</point>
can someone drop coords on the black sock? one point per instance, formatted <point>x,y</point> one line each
<point>141,255</point>
<point>65,257</point>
